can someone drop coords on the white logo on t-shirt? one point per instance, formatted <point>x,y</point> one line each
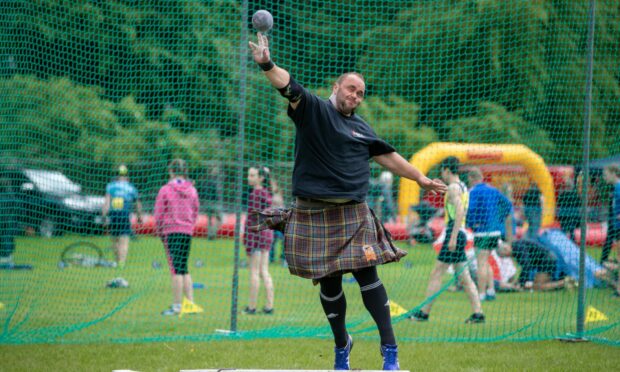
<point>355,134</point>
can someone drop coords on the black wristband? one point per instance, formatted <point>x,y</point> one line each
<point>267,65</point>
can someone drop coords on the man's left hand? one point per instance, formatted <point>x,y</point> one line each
<point>434,186</point>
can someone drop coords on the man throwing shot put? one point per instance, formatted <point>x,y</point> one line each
<point>330,230</point>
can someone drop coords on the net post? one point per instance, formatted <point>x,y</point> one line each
<point>581,299</point>
<point>243,42</point>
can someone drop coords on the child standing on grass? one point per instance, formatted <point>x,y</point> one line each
<point>176,211</point>
<point>258,243</point>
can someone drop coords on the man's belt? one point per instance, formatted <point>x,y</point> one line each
<point>318,203</point>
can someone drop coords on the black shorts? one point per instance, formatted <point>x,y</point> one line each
<point>177,251</point>
<point>487,243</point>
<point>458,255</point>
<point>119,225</point>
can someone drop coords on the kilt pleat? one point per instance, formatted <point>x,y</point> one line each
<point>335,240</point>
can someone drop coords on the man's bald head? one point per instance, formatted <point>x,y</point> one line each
<point>348,92</point>
<point>342,77</point>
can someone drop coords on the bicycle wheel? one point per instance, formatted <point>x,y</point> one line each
<point>85,254</point>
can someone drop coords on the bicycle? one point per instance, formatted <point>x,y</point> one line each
<point>85,254</point>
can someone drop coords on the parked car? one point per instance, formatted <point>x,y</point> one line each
<point>52,204</point>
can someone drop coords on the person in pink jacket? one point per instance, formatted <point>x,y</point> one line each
<point>176,211</point>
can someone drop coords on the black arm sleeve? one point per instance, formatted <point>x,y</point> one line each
<point>380,147</point>
<point>292,91</point>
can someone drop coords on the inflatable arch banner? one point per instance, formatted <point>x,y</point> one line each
<point>478,154</point>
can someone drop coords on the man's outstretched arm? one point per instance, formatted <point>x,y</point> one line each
<point>279,77</point>
<point>395,163</point>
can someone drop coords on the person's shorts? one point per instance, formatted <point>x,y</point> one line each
<point>458,255</point>
<point>177,251</point>
<point>119,225</point>
<point>486,243</point>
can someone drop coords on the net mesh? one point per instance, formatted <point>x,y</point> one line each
<point>89,86</point>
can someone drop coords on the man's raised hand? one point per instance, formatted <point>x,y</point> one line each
<point>260,51</point>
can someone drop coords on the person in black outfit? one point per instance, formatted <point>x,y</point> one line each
<point>569,205</point>
<point>611,175</point>
<point>532,208</point>
<point>211,190</point>
<point>612,234</point>
<point>330,230</point>
<point>539,266</point>
<point>9,209</point>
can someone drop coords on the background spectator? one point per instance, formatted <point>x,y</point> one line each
<point>176,212</point>
<point>9,226</point>
<point>532,208</point>
<point>569,209</point>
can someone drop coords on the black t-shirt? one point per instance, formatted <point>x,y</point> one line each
<point>569,204</point>
<point>332,151</point>
<point>533,257</point>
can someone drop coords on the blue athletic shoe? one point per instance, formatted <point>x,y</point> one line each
<point>342,356</point>
<point>390,357</point>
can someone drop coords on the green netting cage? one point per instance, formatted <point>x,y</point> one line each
<point>94,91</point>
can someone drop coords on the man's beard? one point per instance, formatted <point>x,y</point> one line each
<point>334,102</point>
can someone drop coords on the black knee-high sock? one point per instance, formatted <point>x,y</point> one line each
<point>377,303</point>
<point>335,306</point>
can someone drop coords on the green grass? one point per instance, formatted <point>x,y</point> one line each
<point>309,354</point>
<point>71,307</point>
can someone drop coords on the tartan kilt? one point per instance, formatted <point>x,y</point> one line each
<point>335,240</point>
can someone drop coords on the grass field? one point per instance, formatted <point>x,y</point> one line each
<point>71,308</point>
<point>309,354</point>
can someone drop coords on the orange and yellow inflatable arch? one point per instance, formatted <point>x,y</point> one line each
<point>433,154</point>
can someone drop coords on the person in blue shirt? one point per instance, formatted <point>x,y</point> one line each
<point>120,200</point>
<point>488,210</point>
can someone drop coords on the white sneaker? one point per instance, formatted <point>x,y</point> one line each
<point>117,283</point>
<point>170,311</point>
